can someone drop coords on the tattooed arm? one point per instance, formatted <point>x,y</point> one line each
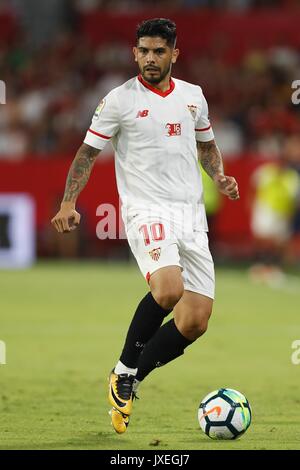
<point>211,159</point>
<point>80,171</point>
<point>68,218</point>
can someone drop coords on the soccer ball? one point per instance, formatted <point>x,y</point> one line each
<point>224,414</point>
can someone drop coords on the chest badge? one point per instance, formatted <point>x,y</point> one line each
<point>173,129</point>
<point>193,110</point>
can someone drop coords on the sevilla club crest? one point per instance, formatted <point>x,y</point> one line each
<point>193,110</point>
<point>155,254</point>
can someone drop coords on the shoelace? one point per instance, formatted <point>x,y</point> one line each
<point>124,386</point>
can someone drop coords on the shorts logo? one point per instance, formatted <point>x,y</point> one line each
<point>173,129</point>
<point>99,109</point>
<point>193,110</point>
<point>155,254</point>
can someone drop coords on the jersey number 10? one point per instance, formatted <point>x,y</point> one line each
<point>156,230</point>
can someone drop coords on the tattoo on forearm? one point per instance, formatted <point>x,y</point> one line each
<point>210,158</point>
<point>80,171</point>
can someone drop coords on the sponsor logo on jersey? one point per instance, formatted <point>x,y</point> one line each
<point>99,109</point>
<point>143,113</point>
<point>173,129</point>
<point>155,254</point>
<point>193,110</point>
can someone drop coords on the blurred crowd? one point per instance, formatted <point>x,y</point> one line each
<point>124,5</point>
<point>53,88</point>
<point>55,77</point>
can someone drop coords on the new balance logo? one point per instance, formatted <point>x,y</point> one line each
<point>143,113</point>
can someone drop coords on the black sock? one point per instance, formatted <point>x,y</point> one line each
<point>147,319</point>
<point>167,344</point>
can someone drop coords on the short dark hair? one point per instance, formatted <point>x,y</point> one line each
<point>161,27</point>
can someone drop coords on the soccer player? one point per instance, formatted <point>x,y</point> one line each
<point>159,128</point>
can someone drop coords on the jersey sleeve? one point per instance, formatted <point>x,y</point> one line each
<point>204,132</point>
<point>105,122</point>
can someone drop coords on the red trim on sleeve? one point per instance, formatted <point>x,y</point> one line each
<point>202,130</point>
<point>99,135</point>
<point>163,94</point>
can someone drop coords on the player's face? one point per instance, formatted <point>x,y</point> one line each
<point>154,58</point>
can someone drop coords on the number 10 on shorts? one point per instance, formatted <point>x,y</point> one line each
<point>154,232</point>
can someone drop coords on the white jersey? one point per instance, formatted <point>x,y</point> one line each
<point>154,136</point>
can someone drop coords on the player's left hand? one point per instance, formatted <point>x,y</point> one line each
<point>227,185</point>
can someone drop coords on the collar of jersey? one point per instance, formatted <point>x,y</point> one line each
<point>163,94</point>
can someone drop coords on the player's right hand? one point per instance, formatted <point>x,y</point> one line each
<point>67,218</point>
<point>227,185</point>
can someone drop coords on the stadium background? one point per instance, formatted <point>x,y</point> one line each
<point>58,59</point>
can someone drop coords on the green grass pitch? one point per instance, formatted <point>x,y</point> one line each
<point>64,326</point>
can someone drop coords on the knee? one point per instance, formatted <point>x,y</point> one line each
<point>200,328</point>
<point>168,298</point>
<point>193,331</point>
<point>195,326</point>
